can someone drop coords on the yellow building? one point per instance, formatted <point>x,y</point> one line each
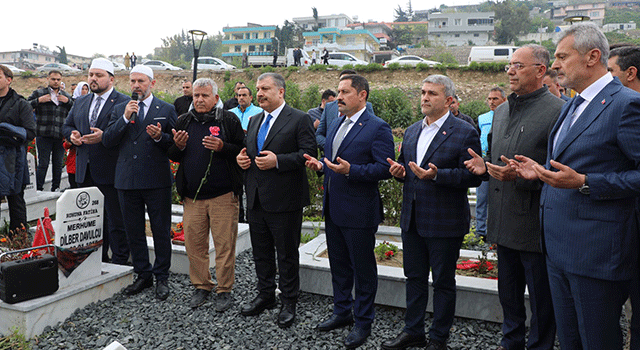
<point>358,42</point>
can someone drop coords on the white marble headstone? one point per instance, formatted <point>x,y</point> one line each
<point>30,190</point>
<point>79,217</point>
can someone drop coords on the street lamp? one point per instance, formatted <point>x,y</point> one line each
<point>196,50</point>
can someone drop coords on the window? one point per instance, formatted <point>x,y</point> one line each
<point>254,35</point>
<point>480,21</point>
<point>267,35</point>
<point>252,48</point>
<point>501,52</point>
<point>595,14</point>
<point>268,48</point>
<point>237,48</point>
<point>351,40</point>
<point>247,36</point>
<point>458,21</point>
<point>456,35</point>
<point>476,35</point>
<point>261,47</point>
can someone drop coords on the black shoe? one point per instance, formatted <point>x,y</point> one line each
<point>162,289</point>
<point>436,345</point>
<point>198,298</point>
<point>287,315</point>
<point>356,338</point>
<point>334,322</point>
<point>257,305</point>
<point>138,285</point>
<point>404,340</point>
<point>223,301</point>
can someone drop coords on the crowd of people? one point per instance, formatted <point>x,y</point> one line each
<point>558,183</point>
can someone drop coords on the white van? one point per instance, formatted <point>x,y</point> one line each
<point>305,60</point>
<point>491,53</point>
<point>212,63</point>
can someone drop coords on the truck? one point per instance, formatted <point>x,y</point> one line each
<point>491,53</point>
<point>259,59</point>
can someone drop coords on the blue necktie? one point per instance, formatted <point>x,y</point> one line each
<point>568,120</point>
<point>262,134</point>
<point>140,112</point>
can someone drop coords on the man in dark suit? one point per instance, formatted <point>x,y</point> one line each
<point>521,125</point>
<point>141,131</point>
<point>435,212</point>
<point>331,113</point>
<point>277,190</point>
<point>588,201</point>
<point>356,154</point>
<point>96,164</point>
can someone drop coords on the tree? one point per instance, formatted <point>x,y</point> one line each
<point>401,15</point>
<point>512,19</point>
<point>62,55</point>
<point>315,17</point>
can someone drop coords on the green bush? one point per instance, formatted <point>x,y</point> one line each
<point>394,66</point>
<point>348,66</point>
<point>371,67</point>
<point>487,66</point>
<point>311,98</point>
<point>293,68</point>
<point>422,67</point>
<point>318,67</point>
<point>392,106</point>
<point>27,74</point>
<point>267,69</point>
<point>166,96</point>
<point>474,108</point>
<point>292,95</point>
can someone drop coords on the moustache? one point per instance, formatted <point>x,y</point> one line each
<point>342,103</point>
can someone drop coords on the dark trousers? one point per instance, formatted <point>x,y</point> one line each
<point>517,270</point>
<point>634,294</point>
<point>49,147</point>
<point>270,233</point>
<point>72,180</point>
<point>438,255</point>
<point>352,261</point>
<point>158,204</point>
<point>587,309</point>
<point>17,211</point>
<point>114,235</point>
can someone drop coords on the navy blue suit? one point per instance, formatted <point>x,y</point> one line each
<point>435,217</point>
<point>330,114</point>
<point>353,211</point>
<point>591,241</point>
<point>143,177</point>
<point>96,165</point>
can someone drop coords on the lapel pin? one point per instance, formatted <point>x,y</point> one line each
<point>157,107</point>
<point>111,100</point>
<point>360,124</point>
<point>603,101</point>
<point>444,133</point>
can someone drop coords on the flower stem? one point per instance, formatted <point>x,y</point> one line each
<point>204,178</point>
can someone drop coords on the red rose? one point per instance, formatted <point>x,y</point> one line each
<point>215,131</point>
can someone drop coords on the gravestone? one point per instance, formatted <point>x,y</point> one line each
<point>78,224</point>
<point>30,190</point>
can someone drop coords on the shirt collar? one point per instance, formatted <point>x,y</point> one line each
<point>594,89</point>
<point>438,123</point>
<point>354,118</point>
<point>105,94</point>
<point>147,101</point>
<point>276,112</point>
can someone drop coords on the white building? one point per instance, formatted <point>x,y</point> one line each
<point>330,21</point>
<point>460,28</point>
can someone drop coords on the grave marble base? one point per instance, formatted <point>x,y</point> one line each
<point>32,316</point>
<point>180,260</point>
<point>477,298</point>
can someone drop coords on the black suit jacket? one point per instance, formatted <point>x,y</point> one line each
<point>284,188</point>
<point>100,159</point>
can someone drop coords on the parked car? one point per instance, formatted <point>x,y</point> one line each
<point>118,67</point>
<point>410,61</point>
<point>160,65</point>
<point>342,58</point>
<point>491,53</point>
<point>212,63</point>
<point>14,69</point>
<point>61,67</point>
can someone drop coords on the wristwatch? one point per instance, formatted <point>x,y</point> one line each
<point>584,189</point>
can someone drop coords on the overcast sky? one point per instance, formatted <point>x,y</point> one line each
<point>118,26</point>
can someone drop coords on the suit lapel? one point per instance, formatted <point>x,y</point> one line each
<point>411,139</point>
<point>280,122</point>
<point>331,133</point>
<point>252,133</point>
<point>445,131</point>
<point>105,113</point>
<point>149,114</point>
<point>588,116</point>
<point>353,132</point>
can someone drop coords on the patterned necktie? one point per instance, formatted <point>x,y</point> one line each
<point>339,137</point>
<point>262,134</point>
<point>568,120</point>
<point>94,113</point>
<point>140,112</point>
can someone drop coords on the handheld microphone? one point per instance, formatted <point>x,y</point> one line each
<point>134,115</point>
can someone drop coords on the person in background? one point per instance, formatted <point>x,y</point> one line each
<point>233,101</point>
<point>315,113</point>
<point>81,89</point>
<point>183,102</point>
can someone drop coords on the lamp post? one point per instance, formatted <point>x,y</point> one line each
<point>196,50</point>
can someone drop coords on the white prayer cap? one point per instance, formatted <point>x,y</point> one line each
<point>144,70</point>
<point>102,63</point>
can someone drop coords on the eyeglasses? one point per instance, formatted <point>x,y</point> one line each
<point>519,66</point>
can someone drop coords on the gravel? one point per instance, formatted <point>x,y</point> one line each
<point>140,322</point>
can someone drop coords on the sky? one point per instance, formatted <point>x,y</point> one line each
<point>117,26</point>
